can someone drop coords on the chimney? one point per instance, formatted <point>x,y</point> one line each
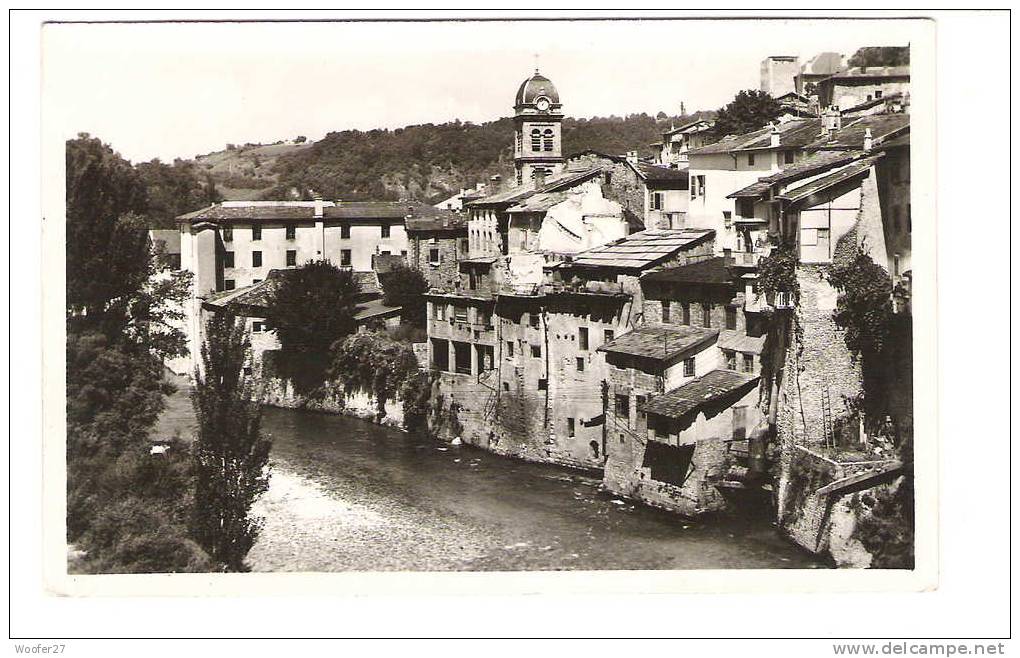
<point>539,179</point>
<point>774,136</point>
<point>632,157</point>
<point>318,205</point>
<point>867,139</point>
<point>831,121</point>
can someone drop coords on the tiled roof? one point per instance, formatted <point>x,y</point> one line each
<point>642,250</point>
<point>710,271</point>
<point>379,210</point>
<point>555,183</point>
<point>694,394</point>
<point>663,342</point>
<point>374,308</point>
<point>851,135</point>
<point>260,295</point>
<point>690,126</point>
<point>792,134</point>
<point>873,72</point>
<point>221,213</point>
<point>897,142</point>
<point>368,282</point>
<point>809,166</point>
<point>384,263</point>
<point>539,202</point>
<point>441,221</point>
<point>840,175</point>
<point>740,342</point>
<point>658,174</point>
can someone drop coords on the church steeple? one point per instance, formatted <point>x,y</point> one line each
<point>537,119</point>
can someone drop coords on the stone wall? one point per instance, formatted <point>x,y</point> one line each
<point>444,274</point>
<point>332,399</point>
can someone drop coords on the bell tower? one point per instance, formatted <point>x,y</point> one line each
<point>538,146</point>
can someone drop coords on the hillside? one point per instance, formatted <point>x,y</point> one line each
<point>422,162</point>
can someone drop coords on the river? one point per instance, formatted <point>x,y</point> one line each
<point>349,495</point>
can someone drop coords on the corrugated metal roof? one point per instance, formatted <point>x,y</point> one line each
<point>851,135</point>
<point>809,166</point>
<point>663,342</point>
<point>643,249</point>
<point>836,177</point>
<point>693,395</point>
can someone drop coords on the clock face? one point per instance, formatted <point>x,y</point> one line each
<point>542,104</point>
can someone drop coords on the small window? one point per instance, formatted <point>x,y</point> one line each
<point>256,327</point>
<point>228,284</point>
<point>570,427</point>
<point>256,259</point>
<point>536,351</point>
<point>788,157</point>
<point>439,311</point>
<point>228,233</point>
<point>731,317</point>
<point>534,320</point>
<point>706,315</point>
<point>510,348</point>
<point>345,231</point>
<point>506,386</point>
<point>291,231</point>
<point>656,200</point>
<point>689,367</point>
<point>609,178</point>
<point>464,246</point>
<point>460,313</point>
<point>622,405</point>
<point>750,159</point>
<point>665,312</point>
<point>384,231</point>
<point>731,359</point>
<point>247,371</point>
<point>434,256</point>
<point>878,93</point>
<point>256,232</point>
<point>345,257</point>
<point>580,364</point>
<point>607,335</point>
<point>582,338</point>
<point>543,384</point>
<point>640,407</point>
<point>748,362</point>
<point>685,310</point>
<point>228,259</point>
<point>291,258</point>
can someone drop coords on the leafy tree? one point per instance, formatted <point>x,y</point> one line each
<point>880,56</point>
<point>176,189</point>
<point>312,308</point>
<point>300,139</point>
<point>749,110</point>
<point>405,287</point>
<point>107,246</point>
<point>231,454</point>
<point>375,364</point>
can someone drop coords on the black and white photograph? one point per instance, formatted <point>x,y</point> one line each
<point>629,299</point>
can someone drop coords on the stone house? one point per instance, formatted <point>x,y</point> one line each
<point>854,86</point>
<point>436,245</point>
<point>685,418</point>
<point>541,322</point>
<point>565,222</point>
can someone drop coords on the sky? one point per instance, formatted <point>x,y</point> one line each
<point>172,90</point>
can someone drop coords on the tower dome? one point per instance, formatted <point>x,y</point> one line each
<point>534,87</point>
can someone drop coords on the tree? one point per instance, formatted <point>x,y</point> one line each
<point>312,308</point>
<point>749,110</point>
<point>881,56</point>
<point>375,364</point>
<point>405,287</point>
<point>173,190</point>
<point>107,244</point>
<point>230,453</point>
